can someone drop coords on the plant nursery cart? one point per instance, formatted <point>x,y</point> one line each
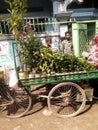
<point>65,99</point>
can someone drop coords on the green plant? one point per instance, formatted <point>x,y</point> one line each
<point>51,61</point>
<point>46,60</point>
<point>17,10</point>
<point>29,46</point>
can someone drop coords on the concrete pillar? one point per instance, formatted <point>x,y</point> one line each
<point>55,4</point>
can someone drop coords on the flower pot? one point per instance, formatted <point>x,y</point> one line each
<point>37,75</point>
<point>23,75</point>
<point>31,75</point>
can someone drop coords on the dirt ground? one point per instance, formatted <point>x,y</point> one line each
<point>37,120</point>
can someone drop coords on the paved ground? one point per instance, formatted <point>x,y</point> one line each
<point>36,120</point>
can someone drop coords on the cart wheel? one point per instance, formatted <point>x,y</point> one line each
<point>66,100</point>
<point>20,107</point>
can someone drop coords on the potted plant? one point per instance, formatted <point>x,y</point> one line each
<point>24,35</point>
<point>29,46</point>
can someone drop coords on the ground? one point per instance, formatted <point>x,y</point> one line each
<point>36,120</point>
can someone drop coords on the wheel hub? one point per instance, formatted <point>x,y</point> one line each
<point>66,100</point>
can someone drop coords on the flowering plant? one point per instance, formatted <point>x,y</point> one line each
<point>29,46</point>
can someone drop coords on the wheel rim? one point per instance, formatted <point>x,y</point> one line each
<point>66,100</point>
<point>21,105</point>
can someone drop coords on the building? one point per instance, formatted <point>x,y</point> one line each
<point>54,17</point>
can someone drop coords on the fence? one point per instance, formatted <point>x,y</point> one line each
<point>4,28</point>
<point>82,32</point>
<point>39,24</point>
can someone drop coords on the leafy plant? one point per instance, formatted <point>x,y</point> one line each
<point>17,10</point>
<point>46,60</point>
<point>29,46</point>
<point>51,61</point>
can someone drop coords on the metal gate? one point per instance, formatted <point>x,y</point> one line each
<point>82,34</point>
